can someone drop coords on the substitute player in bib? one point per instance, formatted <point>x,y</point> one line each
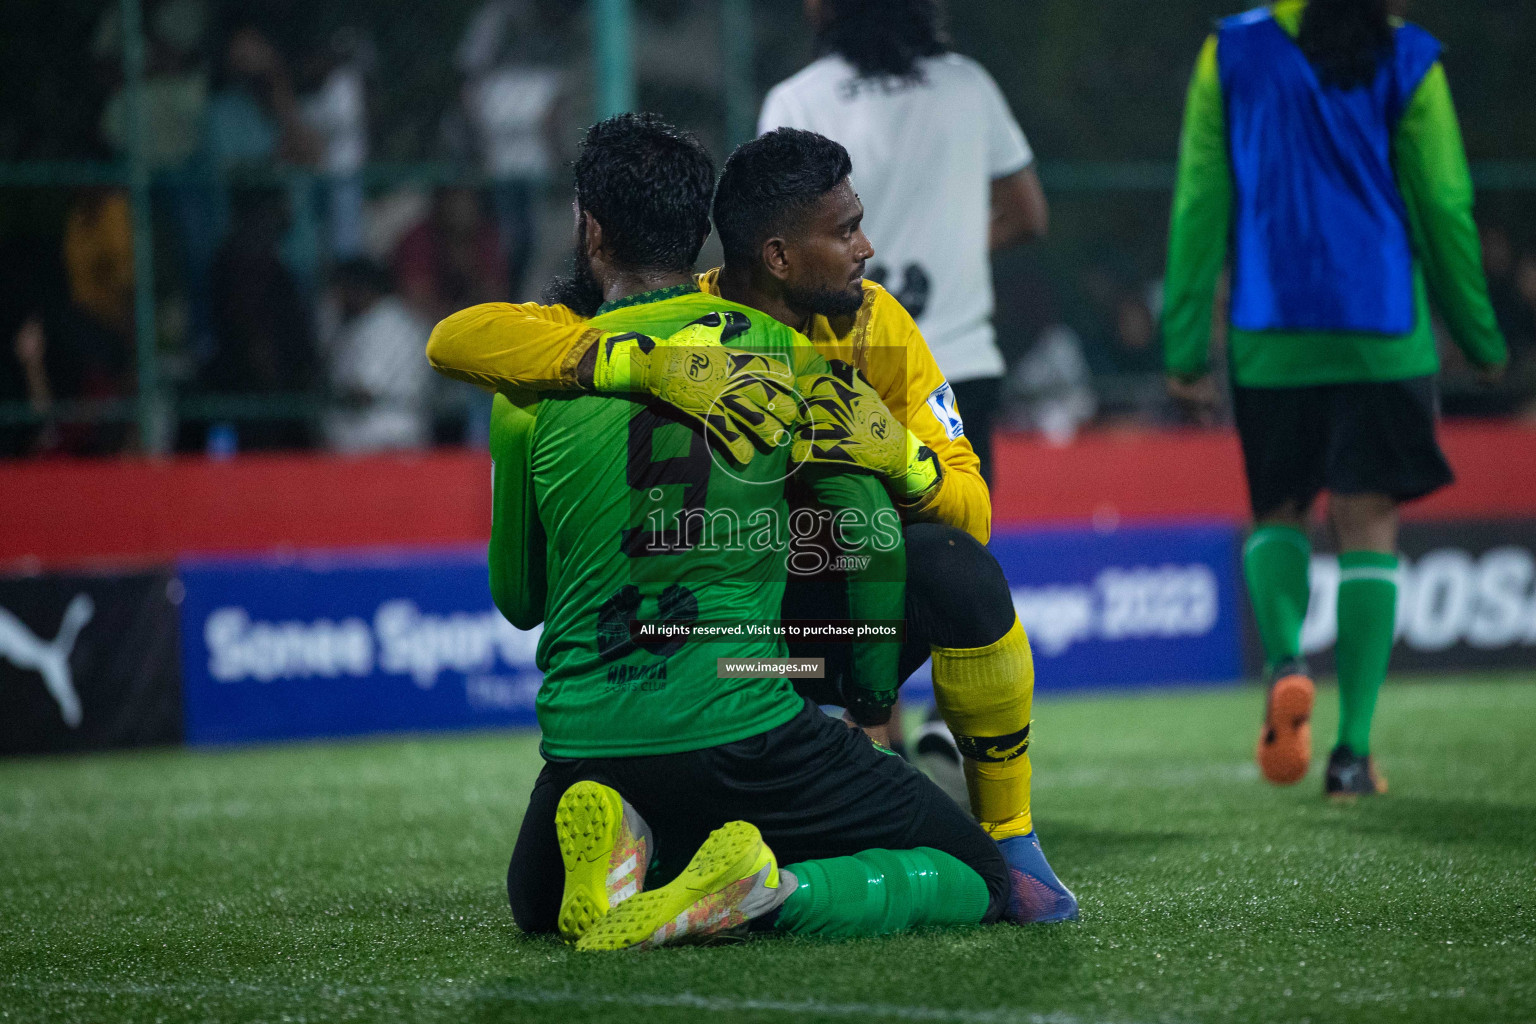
<point>790,224</point>
<point>649,754</point>
<point>1322,158</point>
<point>944,170</point>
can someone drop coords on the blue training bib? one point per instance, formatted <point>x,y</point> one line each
<point>1319,230</point>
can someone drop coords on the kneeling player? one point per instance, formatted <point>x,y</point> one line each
<point>648,754</point>
<point>789,221</point>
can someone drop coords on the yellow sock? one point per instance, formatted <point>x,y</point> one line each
<point>985,695</point>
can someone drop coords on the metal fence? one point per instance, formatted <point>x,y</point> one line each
<point>1109,214</point>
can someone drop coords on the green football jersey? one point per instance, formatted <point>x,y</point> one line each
<point>1436,188</point>
<point>645,523</point>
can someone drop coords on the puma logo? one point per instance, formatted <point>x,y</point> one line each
<point>50,660</point>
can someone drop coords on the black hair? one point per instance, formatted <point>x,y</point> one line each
<point>648,184</point>
<point>883,38</point>
<point>1346,40</point>
<point>769,183</point>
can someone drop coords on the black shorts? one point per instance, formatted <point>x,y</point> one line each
<point>814,788</point>
<point>1373,437</point>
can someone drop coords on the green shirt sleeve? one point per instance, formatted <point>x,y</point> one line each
<point>1197,234</point>
<point>518,551</point>
<point>865,523</point>
<point>1437,188</point>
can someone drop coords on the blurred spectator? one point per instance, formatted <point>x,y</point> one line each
<point>1512,292</point>
<point>253,117</point>
<point>1135,389</point>
<point>254,121</point>
<point>1120,326</point>
<point>68,356</point>
<point>1512,289</point>
<point>379,374</point>
<point>510,107</point>
<point>76,347</point>
<point>1050,388</point>
<point>1522,339</point>
<point>96,334</point>
<point>1525,288</point>
<point>22,268</point>
<point>1135,338</point>
<point>265,338</point>
<point>452,259</point>
<point>175,113</point>
<point>336,111</point>
<point>98,257</point>
<point>175,83</point>
<point>30,348</point>
<point>1499,264</point>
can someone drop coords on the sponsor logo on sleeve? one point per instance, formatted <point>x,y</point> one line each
<point>942,402</point>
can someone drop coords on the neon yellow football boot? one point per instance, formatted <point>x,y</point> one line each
<point>732,879</point>
<point>606,847</point>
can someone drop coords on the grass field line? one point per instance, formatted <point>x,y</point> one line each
<point>791,1008</point>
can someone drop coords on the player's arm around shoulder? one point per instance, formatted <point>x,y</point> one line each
<point>896,359</point>
<point>501,345</point>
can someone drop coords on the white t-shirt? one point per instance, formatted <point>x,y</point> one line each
<point>380,353</point>
<point>509,106</point>
<point>924,158</point>
<point>338,113</point>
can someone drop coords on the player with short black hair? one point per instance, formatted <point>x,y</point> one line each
<point>648,754</point>
<point>767,188</point>
<point>1321,154</point>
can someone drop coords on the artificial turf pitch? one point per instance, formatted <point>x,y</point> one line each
<point>364,881</point>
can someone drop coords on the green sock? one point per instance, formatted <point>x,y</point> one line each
<point>878,892</point>
<point>1276,560</point>
<point>1367,620</point>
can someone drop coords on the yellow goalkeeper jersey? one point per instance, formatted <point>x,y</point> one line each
<point>528,346</point>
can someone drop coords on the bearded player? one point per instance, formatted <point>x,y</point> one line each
<point>789,222</point>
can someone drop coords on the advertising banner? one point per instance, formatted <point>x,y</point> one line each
<point>346,645</point>
<point>88,662</point>
<point>1466,600</point>
<point>1133,606</point>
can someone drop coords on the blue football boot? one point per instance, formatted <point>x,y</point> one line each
<point>1036,895</point>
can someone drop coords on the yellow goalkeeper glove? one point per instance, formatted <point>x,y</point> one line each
<point>740,399</point>
<point>848,425</point>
